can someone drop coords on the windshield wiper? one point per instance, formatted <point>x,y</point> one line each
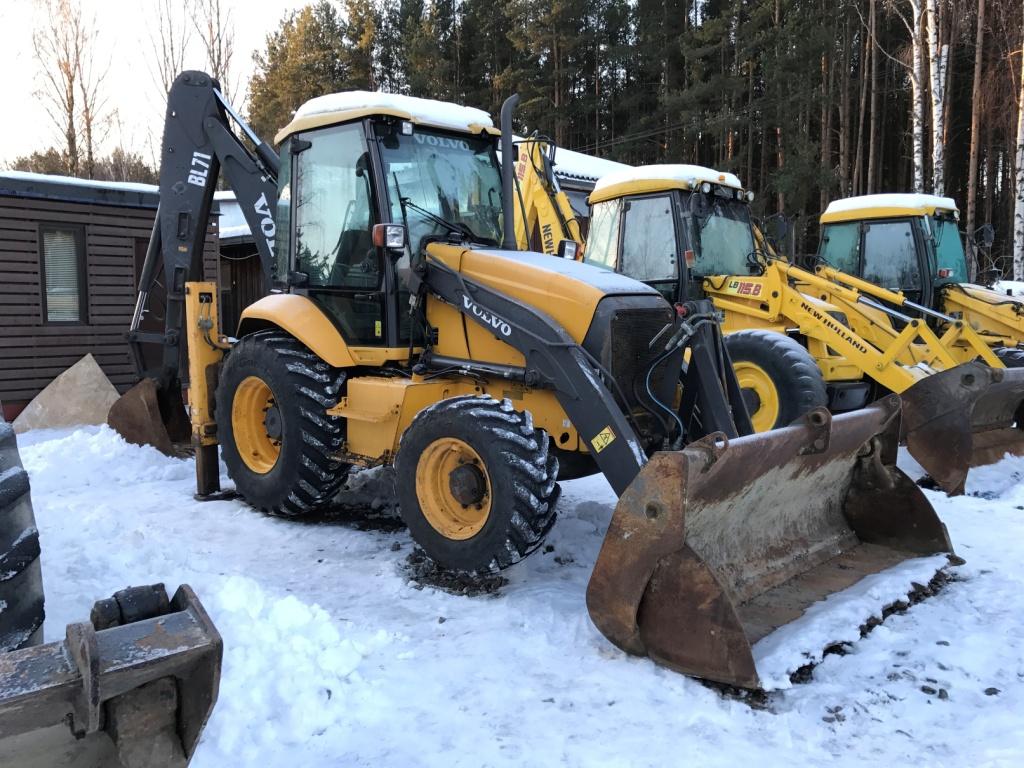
<point>457,227</point>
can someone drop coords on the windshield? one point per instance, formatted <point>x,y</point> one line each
<point>724,237</point>
<point>949,252</point>
<point>454,178</point>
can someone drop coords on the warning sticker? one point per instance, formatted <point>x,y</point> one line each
<point>602,439</point>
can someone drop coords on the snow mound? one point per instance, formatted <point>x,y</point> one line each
<point>306,685</point>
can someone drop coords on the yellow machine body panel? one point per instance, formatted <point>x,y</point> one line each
<point>301,317</point>
<point>379,409</point>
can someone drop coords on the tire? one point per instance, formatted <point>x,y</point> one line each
<point>21,582</point>
<point>512,471</point>
<point>1011,357</point>
<point>304,475</point>
<point>780,380</point>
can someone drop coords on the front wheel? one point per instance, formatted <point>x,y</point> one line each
<point>276,438</point>
<point>779,378</point>
<point>476,483</point>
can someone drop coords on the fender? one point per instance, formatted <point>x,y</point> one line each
<point>303,319</point>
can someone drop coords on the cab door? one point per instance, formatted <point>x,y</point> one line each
<point>332,217</point>
<point>649,249</point>
<point>889,256</point>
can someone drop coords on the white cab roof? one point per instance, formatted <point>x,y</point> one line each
<point>650,178</point>
<point>881,206</point>
<point>350,105</point>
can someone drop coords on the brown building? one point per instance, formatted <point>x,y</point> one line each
<point>70,255</point>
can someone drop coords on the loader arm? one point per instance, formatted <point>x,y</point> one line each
<point>543,211</point>
<point>198,145</point>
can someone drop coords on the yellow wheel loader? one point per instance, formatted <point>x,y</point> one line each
<point>906,250</point>
<point>132,687</point>
<point>798,340</point>
<point>405,328</point>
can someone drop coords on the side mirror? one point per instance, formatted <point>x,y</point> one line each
<point>568,249</point>
<point>298,279</point>
<point>390,237</point>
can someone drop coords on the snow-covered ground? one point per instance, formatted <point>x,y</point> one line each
<point>333,657</point>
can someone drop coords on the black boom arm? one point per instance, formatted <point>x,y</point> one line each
<point>198,145</point>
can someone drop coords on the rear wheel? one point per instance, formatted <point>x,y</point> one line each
<point>476,483</point>
<point>277,440</point>
<point>1011,357</point>
<point>779,378</point>
<point>21,583</point>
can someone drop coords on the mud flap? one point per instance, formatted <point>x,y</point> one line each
<point>146,416</point>
<point>714,547</point>
<point>131,688</point>
<point>965,417</point>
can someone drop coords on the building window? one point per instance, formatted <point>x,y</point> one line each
<point>63,273</point>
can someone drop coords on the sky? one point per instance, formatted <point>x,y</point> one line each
<point>125,30</point>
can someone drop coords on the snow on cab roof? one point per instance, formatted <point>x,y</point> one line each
<point>350,105</point>
<point>887,205</point>
<point>651,178</point>
<point>581,166</point>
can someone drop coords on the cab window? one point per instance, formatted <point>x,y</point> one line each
<point>840,246</point>
<point>603,240</point>
<point>949,251</point>
<point>649,242</point>
<point>332,208</point>
<point>890,256</point>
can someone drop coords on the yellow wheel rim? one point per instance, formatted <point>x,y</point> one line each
<point>255,425</point>
<point>453,488</point>
<point>756,379</point>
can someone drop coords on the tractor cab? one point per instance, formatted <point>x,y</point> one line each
<point>672,226</point>
<point>354,163</point>
<point>903,243</point>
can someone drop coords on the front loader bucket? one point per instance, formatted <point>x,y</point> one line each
<point>965,417</point>
<point>144,415</point>
<point>714,547</point>
<point>131,688</point>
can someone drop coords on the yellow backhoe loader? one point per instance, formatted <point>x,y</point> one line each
<point>907,251</point>
<point>406,328</point>
<point>798,340</point>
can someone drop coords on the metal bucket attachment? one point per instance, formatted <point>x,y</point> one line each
<point>132,688</point>
<point>146,416</point>
<point>714,547</point>
<point>968,416</point>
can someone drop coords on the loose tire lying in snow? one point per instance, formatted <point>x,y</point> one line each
<point>476,483</point>
<point>276,440</point>
<point>779,378</point>
<point>21,583</point>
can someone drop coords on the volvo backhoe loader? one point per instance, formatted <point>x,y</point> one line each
<point>132,687</point>
<point>799,340</point>
<point>405,328</point>
<point>907,251</point>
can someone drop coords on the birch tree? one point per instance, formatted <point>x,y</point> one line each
<point>938,56</point>
<point>169,41</point>
<point>1018,210</point>
<point>57,44</point>
<point>972,161</point>
<point>917,92</point>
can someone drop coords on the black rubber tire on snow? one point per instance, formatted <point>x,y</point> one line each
<point>796,377</point>
<point>522,471</point>
<point>1011,357</point>
<point>306,476</point>
<point>21,582</point>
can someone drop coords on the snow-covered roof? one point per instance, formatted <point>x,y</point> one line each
<point>71,181</point>
<point>650,178</point>
<point>581,166</point>
<point>887,205</point>
<point>349,105</point>
<point>232,222</point>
